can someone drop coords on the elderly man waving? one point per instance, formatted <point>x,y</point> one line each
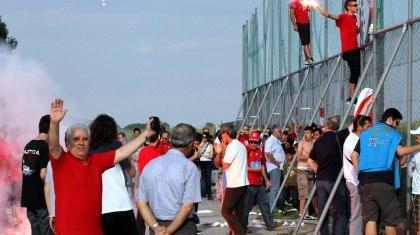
<point>78,175</point>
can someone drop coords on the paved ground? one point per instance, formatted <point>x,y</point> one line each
<point>211,221</point>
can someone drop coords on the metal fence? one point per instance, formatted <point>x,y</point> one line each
<point>390,65</point>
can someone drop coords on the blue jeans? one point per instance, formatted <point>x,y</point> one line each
<point>340,206</point>
<point>258,195</point>
<point>276,178</point>
<point>205,167</point>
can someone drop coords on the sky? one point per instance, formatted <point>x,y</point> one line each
<point>131,59</point>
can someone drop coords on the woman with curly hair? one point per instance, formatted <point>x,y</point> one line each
<point>117,210</point>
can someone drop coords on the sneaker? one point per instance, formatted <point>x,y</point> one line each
<point>349,99</point>
<point>309,62</point>
<point>276,225</point>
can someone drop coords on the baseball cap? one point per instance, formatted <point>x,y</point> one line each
<point>415,132</point>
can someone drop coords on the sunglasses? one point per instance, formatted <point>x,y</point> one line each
<point>254,142</point>
<point>204,137</point>
<point>354,5</point>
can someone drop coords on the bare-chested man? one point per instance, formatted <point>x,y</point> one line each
<point>305,176</point>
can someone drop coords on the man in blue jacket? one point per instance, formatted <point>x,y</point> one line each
<point>376,159</point>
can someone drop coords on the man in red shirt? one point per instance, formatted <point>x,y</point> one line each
<point>78,175</point>
<point>147,154</point>
<point>256,192</point>
<point>164,144</point>
<point>349,29</point>
<point>299,15</point>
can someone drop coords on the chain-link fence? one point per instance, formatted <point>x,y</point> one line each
<point>274,94</point>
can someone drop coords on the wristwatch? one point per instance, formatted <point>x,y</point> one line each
<point>52,216</point>
<point>155,225</point>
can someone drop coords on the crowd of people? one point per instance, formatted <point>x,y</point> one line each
<point>87,187</point>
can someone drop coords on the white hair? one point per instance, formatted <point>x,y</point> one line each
<point>70,131</point>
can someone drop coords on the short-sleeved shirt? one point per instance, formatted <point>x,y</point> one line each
<point>50,181</point>
<point>164,146</point>
<point>243,138</point>
<point>415,168</point>
<point>255,160</point>
<point>326,153</point>
<point>167,182</point>
<point>348,31</point>
<point>236,156</point>
<point>78,191</point>
<point>147,154</point>
<point>274,146</point>
<point>350,173</point>
<point>35,158</point>
<point>301,13</point>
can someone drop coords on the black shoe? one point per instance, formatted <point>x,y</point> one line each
<point>210,198</point>
<point>195,219</point>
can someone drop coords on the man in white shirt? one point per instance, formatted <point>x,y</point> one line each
<point>414,170</point>
<point>234,162</point>
<point>275,159</point>
<point>360,124</point>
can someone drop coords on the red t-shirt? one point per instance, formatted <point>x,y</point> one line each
<point>147,154</point>
<point>243,138</point>
<point>164,146</point>
<point>78,190</point>
<point>255,159</point>
<point>348,32</point>
<point>301,13</point>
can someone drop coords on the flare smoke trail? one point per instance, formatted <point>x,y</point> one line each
<point>25,94</point>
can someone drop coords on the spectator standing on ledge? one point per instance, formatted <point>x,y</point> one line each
<point>349,29</point>
<point>299,16</point>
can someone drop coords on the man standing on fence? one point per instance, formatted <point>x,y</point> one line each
<point>378,168</point>
<point>275,159</point>
<point>360,123</point>
<point>349,29</point>
<point>299,16</point>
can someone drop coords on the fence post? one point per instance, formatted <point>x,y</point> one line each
<point>409,108</point>
<point>249,108</point>
<point>261,105</point>
<point>240,109</point>
<point>277,102</point>
<point>378,88</point>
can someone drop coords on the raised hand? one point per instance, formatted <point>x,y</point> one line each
<point>57,111</point>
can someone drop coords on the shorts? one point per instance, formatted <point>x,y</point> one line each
<point>304,34</point>
<point>416,212</point>
<point>380,201</point>
<point>305,182</point>
<point>352,58</point>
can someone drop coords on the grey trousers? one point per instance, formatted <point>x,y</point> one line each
<point>356,221</point>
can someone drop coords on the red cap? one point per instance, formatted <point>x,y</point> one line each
<point>254,136</point>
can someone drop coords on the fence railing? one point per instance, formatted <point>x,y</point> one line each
<point>391,66</point>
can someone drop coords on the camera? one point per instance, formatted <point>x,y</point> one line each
<point>155,125</point>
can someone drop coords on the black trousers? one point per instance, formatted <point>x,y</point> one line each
<point>39,220</point>
<point>187,228</point>
<point>233,209</point>
<point>119,223</point>
<point>352,58</point>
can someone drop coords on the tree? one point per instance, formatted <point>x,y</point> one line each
<point>11,42</point>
